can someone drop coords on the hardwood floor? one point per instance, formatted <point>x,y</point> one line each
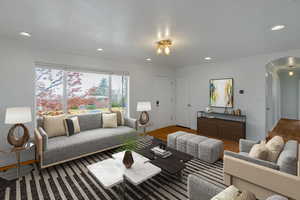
<point>288,129</point>
<point>163,134</point>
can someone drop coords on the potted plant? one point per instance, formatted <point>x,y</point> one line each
<point>129,145</point>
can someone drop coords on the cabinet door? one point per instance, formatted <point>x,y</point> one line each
<point>208,127</point>
<point>231,130</point>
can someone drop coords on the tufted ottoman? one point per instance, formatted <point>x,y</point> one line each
<point>210,150</point>
<point>181,143</point>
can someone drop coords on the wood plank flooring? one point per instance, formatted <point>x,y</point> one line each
<point>287,128</point>
<point>163,134</point>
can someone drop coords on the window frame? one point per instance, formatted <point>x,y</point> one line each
<point>69,68</point>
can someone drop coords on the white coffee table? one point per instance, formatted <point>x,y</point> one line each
<point>112,172</point>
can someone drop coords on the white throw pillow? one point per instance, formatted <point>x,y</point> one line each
<point>109,120</point>
<point>54,125</point>
<point>259,151</point>
<point>275,146</point>
<point>229,193</point>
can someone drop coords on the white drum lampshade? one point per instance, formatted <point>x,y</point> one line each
<point>18,116</point>
<point>143,107</point>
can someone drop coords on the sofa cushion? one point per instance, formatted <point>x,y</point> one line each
<point>54,125</point>
<point>288,158</point>
<point>229,193</point>
<point>246,157</point>
<point>259,151</point>
<point>90,121</point>
<point>120,116</point>
<point>64,147</point>
<point>246,195</point>
<point>72,126</point>
<point>109,120</point>
<point>275,146</point>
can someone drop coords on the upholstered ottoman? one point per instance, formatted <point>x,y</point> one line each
<point>181,143</point>
<point>193,143</point>
<point>210,150</point>
<point>172,138</point>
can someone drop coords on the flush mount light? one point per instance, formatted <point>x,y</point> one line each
<point>25,34</point>
<point>278,27</point>
<point>207,58</point>
<point>148,59</point>
<point>163,46</point>
<point>99,49</point>
<point>291,73</point>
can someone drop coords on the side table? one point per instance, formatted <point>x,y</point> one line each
<point>17,151</point>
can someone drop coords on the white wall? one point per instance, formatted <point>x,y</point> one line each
<point>289,94</point>
<point>17,79</point>
<point>248,74</point>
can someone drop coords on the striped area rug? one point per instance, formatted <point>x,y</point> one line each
<point>72,181</point>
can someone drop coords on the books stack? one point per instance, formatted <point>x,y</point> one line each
<point>161,152</point>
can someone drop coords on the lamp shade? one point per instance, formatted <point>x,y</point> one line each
<point>18,115</point>
<point>143,106</point>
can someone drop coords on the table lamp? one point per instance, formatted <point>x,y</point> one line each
<point>143,107</point>
<point>18,116</point>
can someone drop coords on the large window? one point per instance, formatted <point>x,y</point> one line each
<point>74,92</point>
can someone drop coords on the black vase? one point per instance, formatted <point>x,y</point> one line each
<point>128,159</point>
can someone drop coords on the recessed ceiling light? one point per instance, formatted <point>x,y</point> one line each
<point>278,27</point>
<point>25,34</point>
<point>99,49</point>
<point>148,59</point>
<point>207,58</point>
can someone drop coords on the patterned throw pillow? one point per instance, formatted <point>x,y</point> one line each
<point>275,146</point>
<point>72,126</point>
<point>120,116</point>
<point>259,151</point>
<point>246,195</point>
<point>109,120</point>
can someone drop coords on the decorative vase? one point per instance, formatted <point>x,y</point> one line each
<point>128,159</point>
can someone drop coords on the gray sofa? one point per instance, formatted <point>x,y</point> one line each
<point>287,160</point>
<point>200,189</point>
<point>92,139</point>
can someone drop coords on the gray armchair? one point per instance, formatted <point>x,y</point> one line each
<point>200,189</point>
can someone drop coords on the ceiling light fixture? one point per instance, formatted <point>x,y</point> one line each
<point>163,46</point>
<point>148,59</point>
<point>291,73</point>
<point>207,58</point>
<point>99,49</point>
<point>25,34</point>
<point>278,27</point>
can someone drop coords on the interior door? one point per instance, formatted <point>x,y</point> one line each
<point>163,102</point>
<point>183,105</point>
<point>269,103</point>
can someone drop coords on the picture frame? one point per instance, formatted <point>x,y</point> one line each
<point>221,93</point>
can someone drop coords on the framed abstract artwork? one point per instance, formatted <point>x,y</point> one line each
<point>221,93</point>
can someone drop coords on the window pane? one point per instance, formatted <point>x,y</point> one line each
<point>119,87</point>
<point>49,91</point>
<point>87,92</point>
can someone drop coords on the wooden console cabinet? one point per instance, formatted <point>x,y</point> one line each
<point>220,125</point>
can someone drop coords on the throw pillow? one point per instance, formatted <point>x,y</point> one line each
<point>275,146</point>
<point>120,116</point>
<point>72,126</point>
<point>246,195</point>
<point>229,193</point>
<point>54,125</point>
<point>109,120</point>
<point>259,151</point>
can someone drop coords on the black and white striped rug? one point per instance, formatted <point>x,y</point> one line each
<point>72,180</point>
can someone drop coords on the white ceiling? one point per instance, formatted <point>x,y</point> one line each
<point>128,29</point>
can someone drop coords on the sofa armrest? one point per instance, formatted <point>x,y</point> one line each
<point>252,160</point>
<point>132,123</point>
<point>38,142</point>
<point>246,145</point>
<point>199,189</point>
